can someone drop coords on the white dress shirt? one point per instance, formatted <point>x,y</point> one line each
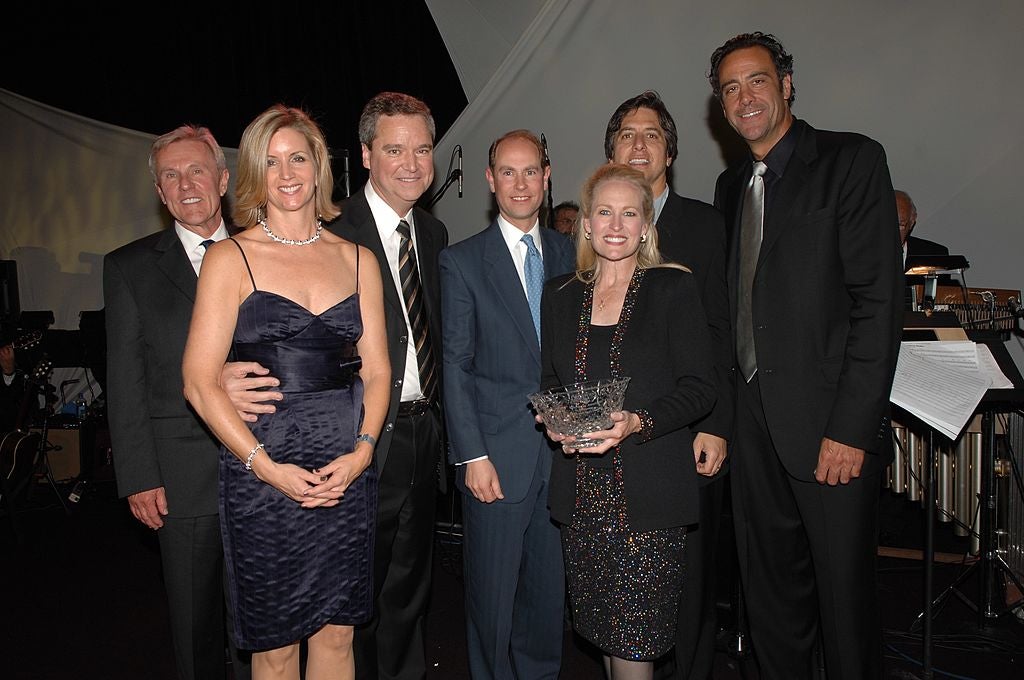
<point>513,236</point>
<point>387,227</point>
<point>193,242</point>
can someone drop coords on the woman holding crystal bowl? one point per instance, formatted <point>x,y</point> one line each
<point>624,505</point>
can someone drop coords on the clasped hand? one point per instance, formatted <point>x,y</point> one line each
<point>624,423</point>
<point>319,488</point>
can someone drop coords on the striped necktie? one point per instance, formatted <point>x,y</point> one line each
<point>412,292</point>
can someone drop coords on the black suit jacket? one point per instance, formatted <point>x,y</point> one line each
<point>668,359</point>
<point>149,288</point>
<point>827,296</point>
<point>356,224</point>
<point>692,233</point>
<point>922,246</point>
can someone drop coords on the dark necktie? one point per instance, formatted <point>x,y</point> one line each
<point>534,275</point>
<point>412,292</point>
<point>207,243</point>
<point>751,227</point>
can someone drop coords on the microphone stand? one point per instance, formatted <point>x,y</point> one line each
<point>453,175</point>
<point>549,219</point>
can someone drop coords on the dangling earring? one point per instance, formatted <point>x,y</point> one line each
<point>643,238</point>
<point>586,235</point>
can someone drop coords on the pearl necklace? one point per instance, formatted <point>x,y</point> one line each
<point>292,242</point>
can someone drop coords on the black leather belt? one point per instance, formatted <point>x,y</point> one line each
<point>414,408</point>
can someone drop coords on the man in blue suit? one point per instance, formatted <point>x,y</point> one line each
<point>490,309</point>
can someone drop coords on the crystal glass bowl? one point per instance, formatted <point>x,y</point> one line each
<point>580,407</point>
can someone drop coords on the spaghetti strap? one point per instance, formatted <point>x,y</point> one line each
<point>246,260</point>
<point>357,269</point>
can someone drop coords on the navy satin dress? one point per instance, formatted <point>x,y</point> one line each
<point>291,570</point>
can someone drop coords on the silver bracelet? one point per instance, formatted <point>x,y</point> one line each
<point>252,454</point>
<point>368,438</point>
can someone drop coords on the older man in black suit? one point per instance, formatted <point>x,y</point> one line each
<point>165,459</point>
<point>642,134</point>
<point>913,246</point>
<point>815,288</point>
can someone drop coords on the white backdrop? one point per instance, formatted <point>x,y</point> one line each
<point>933,80</point>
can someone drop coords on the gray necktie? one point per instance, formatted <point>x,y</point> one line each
<point>751,227</point>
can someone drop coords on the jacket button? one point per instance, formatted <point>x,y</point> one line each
<point>398,383</point>
<point>403,339</point>
<point>389,427</point>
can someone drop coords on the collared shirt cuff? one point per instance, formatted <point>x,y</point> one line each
<point>473,460</point>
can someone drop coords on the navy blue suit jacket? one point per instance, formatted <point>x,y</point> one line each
<point>492,356</point>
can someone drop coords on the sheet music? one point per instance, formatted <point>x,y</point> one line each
<point>990,367</point>
<point>939,386</point>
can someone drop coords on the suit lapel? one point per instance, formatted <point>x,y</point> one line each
<point>359,227</point>
<point>427,249</point>
<point>557,256</point>
<point>790,186</point>
<point>504,279</point>
<point>174,263</point>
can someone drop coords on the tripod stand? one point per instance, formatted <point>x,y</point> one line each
<point>990,566</point>
<point>43,467</point>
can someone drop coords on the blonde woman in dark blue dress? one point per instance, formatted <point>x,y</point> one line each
<point>298,492</point>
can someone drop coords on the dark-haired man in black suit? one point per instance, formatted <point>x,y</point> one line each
<point>818,324</point>
<point>642,134</point>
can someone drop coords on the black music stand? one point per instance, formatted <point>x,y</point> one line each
<point>990,565</point>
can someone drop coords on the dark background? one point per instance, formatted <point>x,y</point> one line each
<point>221,64</point>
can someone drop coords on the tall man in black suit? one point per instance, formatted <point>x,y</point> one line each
<point>817,332</point>
<point>396,132</point>
<point>512,554</point>
<point>642,134</point>
<point>165,459</point>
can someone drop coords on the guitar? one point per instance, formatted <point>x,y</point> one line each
<point>27,340</point>
<point>18,446</point>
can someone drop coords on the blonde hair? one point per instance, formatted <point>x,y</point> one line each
<point>251,187</point>
<point>647,255</point>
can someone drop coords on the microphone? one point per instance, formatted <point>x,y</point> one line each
<point>459,149</point>
<point>550,218</point>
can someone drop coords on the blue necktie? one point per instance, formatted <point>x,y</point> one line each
<point>534,271</point>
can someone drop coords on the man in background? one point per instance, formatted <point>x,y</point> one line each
<point>566,213</point>
<point>913,246</point>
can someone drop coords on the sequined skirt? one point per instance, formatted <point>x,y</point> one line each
<point>624,586</point>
